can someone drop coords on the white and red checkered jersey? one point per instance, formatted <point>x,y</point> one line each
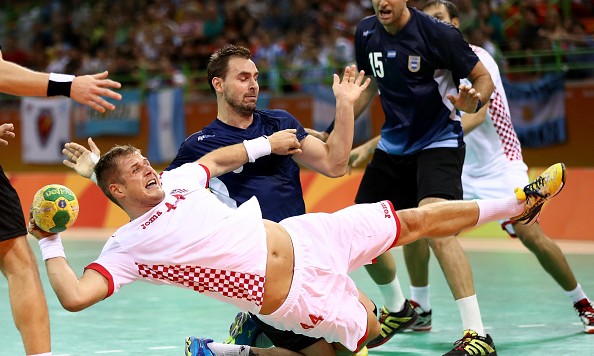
<point>191,240</point>
<point>493,143</point>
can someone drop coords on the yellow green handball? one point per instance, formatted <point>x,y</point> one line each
<point>55,208</point>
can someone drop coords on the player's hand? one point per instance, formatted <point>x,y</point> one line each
<point>351,86</point>
<point>6,133</point>
<point>359,155</point>
<point>466,100</point>
<point>285,142</point>
<point>90,90</point>
<point>34,230</point>
<point>80,158</point>
<point>320,135</point>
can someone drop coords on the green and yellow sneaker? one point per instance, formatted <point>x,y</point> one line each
<point>392,323</point>
<point>548,184</point>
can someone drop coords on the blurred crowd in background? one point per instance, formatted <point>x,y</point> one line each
<point>152,43</point>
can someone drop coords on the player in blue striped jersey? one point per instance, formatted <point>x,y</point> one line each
<point>417,63</point>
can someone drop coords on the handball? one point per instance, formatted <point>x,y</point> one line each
<point>55,208</point>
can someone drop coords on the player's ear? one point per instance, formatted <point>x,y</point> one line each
<point>116,190</point>
<point>456,22</point>
<point>217,83</point>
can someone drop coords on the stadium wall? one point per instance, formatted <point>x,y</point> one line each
<point>578,151</point>
<point>565,218</point>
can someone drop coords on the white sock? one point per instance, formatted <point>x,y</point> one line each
<point>228,349</point>
<point>43,354</point>
<point>577,294</point>
<point>471,314</point>
<point>421,296</point>
<point>498,209</point>
<point>393,297</point>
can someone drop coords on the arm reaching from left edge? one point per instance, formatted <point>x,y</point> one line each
<point>86,89</point>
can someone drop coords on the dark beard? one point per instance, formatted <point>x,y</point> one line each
<point>241,109</point>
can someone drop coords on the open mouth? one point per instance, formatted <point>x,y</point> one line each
<point>151,183</point>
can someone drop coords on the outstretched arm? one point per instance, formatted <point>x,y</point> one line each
<point>226,159</point>
<point>74,293</point>
<point>87,89</point>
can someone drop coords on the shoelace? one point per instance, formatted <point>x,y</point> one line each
<point>533,187</point>
<point>461,344</point>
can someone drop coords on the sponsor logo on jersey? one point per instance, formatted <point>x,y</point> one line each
<point>203,137</point>
<point>387,211</point>
<point>391,54</point>
<point>151,219</point>
<point>414,63</point>
<point>178,191</point>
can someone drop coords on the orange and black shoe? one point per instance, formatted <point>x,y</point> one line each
<point>548,184</point>
<point>392,323</point>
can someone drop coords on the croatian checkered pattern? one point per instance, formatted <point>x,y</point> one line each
<point>503,125</point>
<point>230,284</point>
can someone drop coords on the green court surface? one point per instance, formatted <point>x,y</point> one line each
<point>523,309</point>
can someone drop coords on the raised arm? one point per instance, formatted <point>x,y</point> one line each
<point>331,157</point>
<point>360,105</point>
<point>87,89</point>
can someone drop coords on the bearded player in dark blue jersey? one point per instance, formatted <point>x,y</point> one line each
<point>417,63</point>
<point>273,179</point>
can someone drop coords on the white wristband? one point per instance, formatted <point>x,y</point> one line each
<point>51,247</point>
<point>94,159</point>
<point>257,148</point>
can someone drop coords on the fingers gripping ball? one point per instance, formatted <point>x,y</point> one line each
<point>55,208</point>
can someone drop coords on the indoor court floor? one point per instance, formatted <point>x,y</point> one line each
<point>523,309</point>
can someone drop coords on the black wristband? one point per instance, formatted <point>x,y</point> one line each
<point>479,105</point>
<point>59,84</point>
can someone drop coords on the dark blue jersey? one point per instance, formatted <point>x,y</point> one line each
<point>415,69</point>
<point>273,179</point>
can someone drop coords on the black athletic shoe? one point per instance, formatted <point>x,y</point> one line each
<point>471,344</point>
<point>392,323</point>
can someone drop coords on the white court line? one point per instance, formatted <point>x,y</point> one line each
<point>532,325</point>
<point>163,347</point>
<point>109,352</point>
